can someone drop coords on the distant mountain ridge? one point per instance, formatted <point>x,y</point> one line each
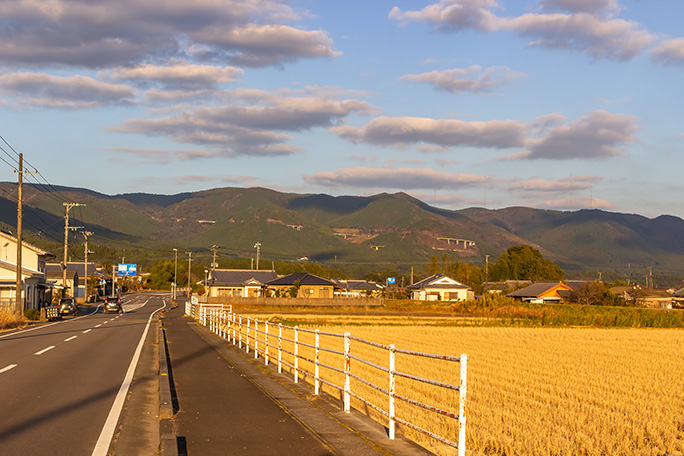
<point>383,228</point>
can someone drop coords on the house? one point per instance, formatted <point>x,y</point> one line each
<point>37,292</point>
<point>242,283</point>
<point>500,287</point>
<point>440,287</point>
<point>542,292</point>
<point>77,274</point>
<point>357,288</point>
<point>309,286</point>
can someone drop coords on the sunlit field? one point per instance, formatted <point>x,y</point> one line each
<point>535,391</point>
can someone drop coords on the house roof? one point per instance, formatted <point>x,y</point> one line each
<point>508,284</point>
<point>55,269</point>
<point>358,285</point>
<point>38,251</point>
<point>240,277</point>
<point>304,278</point>
<point>679,293</point>
<point>440,281</point>
<point>537,289</point>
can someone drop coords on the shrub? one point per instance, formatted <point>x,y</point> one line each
<point>32,314</point>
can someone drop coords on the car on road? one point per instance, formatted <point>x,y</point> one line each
<point>112,304</point>
<point>67,306</point>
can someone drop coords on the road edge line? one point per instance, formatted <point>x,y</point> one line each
<point>105,439</point>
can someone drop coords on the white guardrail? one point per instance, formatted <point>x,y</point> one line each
<point>257,335</point>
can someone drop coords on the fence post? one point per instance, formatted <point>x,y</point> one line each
<point>296,354</point>
<point>256,338</point>
<point>232,327</point>
<point>280,348</point>
<point>317,379</point>
<point>266,343</point>
<point>462,406</point>
<point>392,424</point>
<point>347,370</point>
<point>249,326</point>
<point>240,333</point>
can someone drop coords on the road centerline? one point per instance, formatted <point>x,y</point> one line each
<point>70,338</point>
<point>6,368</point>
<point>46,349</point>
<point>87,330</point>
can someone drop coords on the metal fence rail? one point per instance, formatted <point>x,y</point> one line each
<point>303,357</point>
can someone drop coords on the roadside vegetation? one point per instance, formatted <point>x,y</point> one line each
<point>10,320</point>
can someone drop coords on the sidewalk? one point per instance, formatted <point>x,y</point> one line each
<point>228,404</point>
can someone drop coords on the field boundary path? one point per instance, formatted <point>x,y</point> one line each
<point>226,403</point>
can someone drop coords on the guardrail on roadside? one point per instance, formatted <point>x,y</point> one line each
<point>260,338</point>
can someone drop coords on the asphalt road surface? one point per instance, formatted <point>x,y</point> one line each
<point>62,384</point>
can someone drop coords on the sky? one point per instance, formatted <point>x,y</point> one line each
<point>553,104</point>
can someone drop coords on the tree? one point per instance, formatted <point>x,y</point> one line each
<point>589,294</point>
<point>161,275</point>
<point>523,262</point>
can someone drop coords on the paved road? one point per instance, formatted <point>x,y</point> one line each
<point>59,382</point>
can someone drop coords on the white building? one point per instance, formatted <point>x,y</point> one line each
<point>439,287</point>
<point>36,291</point>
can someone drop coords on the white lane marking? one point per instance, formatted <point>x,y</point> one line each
<point>70,338</point>
<point>6,368</point>
<point>87,331</point>
<point>103,323</point>
<point>105,439</point>
<point>13,333</point>
<point>97,326</point>
<point>47,349</point>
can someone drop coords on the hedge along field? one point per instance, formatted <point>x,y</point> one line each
<point>550,391</point>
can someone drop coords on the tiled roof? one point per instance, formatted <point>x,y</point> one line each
<point>535,290</point>
<point>304,278</point>
<point>430,283</point>
<point>238,277</point>
<point>55,269</point>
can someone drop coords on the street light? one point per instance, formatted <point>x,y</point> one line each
<point>175,273</point>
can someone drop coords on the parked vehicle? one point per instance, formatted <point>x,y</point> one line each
<point>67,306</point>
<point>112,304</point>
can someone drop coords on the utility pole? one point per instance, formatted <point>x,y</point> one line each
<point>175,274</point>
<point>486,269</point>
<point>19,303</point>
<point>258,247</point>
<point>85,269</point>
<point>68,207</point>
<point>189,266</point>
<point>650,277</point>
<point>214,249</point>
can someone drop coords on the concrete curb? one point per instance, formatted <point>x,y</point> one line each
<point>168,445</point>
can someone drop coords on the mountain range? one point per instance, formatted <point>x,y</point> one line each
<point>384,229</point>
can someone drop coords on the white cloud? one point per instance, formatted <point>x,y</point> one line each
<point>452,15</point>
<point>393,178</point>
<point>247,130</point>
<point>260,45</point>
<point>588,28</point>
<point>72,92</point>
<point>598,135</point>
<point>580,6</point>
<point>566,184</point>
<point>181,75</point>
<point>473,79</point>
<point>111,33</point>
<point>612,39</point>
<point>398,131</point>
<point>669,52</point>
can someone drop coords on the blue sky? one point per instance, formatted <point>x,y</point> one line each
<point>556,104</point>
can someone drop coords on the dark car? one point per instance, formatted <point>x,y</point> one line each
<point>67,306</point>
<point>112,304</point>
